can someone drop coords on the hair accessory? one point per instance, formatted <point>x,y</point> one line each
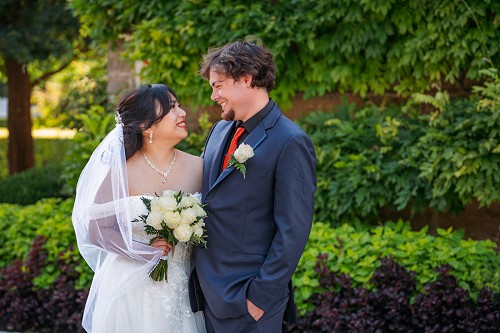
<point>118,118</point>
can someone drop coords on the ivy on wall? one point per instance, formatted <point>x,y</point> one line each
<point>320,46</point>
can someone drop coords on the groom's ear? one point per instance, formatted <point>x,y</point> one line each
<point>247,80</point>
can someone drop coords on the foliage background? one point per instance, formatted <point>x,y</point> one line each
<point>368,158</point>
<point>320,46</point>
<point>373,158</point>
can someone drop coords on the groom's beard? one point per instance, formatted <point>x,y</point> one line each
<point>229,115</point>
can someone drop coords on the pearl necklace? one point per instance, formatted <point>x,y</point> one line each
<point>165,173</point>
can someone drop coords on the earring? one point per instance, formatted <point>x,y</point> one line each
<point>151,136</point>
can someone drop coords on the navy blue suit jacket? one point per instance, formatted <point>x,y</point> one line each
<point>257,226</point>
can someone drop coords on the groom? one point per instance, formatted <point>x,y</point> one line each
<point>259,220</point>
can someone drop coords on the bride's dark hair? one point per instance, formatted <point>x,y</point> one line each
<point>138,112</point>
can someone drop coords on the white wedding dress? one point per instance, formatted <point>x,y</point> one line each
<point>152,306</point>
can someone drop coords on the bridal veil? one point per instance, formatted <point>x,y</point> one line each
<point>102,222</point>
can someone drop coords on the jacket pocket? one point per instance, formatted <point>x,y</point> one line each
<point>253,172</point>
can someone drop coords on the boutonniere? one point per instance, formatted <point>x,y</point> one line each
<point>240,156</point>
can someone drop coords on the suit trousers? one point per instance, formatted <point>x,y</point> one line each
<point>270,322</point>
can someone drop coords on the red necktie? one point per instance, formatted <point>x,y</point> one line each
<point>232,146</point>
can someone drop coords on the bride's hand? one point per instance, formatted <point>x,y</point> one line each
<point>163,245</point>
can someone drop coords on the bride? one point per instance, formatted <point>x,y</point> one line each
<point>138,158</point>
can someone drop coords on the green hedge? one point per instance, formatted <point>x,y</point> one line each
<point>374,158</point>
<point>47,151</point>
<point>49,217</point>
<point>29,186</point>
<point>357,249</point>
<point>353,249</point>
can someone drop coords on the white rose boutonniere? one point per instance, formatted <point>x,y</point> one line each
<point>240,156</point>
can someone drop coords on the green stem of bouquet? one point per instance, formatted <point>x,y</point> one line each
<point>159,272</point>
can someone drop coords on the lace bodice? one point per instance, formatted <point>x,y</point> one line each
<point>138,208</point>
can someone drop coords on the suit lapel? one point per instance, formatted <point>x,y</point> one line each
<point>254,139</point>
<point>216,162</point>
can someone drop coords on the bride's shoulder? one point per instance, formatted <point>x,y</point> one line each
<point>190,158</point>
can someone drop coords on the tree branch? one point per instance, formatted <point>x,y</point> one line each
<point>45,76</point>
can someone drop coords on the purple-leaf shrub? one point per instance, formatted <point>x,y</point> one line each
<point>443,306</point>
<point>23,307</point>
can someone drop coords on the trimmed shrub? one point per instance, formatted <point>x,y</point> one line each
<point>443,306</point>
<point>357,249</point>
<point>25,307</point>
<point>27,187</point>
<point>381,158</point>
<point>47,151</point>
<point>363,164</point>
<point>50,218</point>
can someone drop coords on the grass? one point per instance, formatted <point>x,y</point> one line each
<point>44,133</point>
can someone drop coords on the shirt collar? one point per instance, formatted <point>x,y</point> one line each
<point>254,120</point>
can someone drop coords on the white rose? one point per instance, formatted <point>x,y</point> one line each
<point>154,219</point>
<point>172,219</point>
<point>196,199</point>
<point>187,201</point>
<point>168,203</point>
<point>243,153</point>
<point>188,216</point>
<point>155,205</point>
<point>183,232</point>
<point>198,231</point>
<point>200,212</point>
<point>169,193</point>
<point>198,228</point>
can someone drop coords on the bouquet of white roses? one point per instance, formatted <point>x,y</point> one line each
<point>176,217</point>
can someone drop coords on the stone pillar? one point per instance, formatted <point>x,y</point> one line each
<point>121,76</point>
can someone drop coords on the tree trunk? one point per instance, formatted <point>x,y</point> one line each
<point>20,148</point>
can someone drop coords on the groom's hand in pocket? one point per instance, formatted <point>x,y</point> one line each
<point>254,310</point>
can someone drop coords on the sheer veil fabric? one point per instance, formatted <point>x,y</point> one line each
<point>102,221</point>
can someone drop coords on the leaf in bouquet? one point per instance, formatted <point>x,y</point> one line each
<point>141,218</point>
<point>199,241</point>
<point>147,203</point>
<point>178,197</point>
<point>166,233</point>
<point>150,230</point>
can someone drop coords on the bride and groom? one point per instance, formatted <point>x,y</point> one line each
<point>259,212</point>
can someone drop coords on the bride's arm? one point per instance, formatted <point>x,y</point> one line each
<point>104,232</point>
<point>109,238</point>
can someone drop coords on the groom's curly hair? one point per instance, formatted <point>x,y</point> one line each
<point>241,58</point>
